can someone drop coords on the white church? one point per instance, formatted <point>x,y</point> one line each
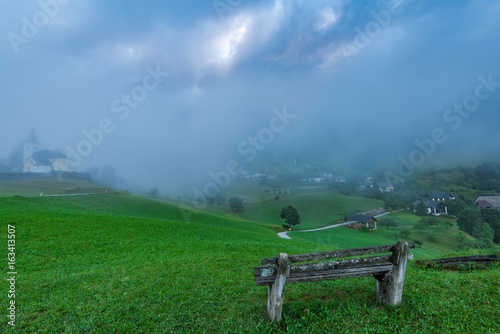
<point>36,160</point>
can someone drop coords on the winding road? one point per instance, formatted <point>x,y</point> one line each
<point>285,235</point>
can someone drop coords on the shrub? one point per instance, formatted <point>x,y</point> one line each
<point>431,236</point>
<point>405,233</point>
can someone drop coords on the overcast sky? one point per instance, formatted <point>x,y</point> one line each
<point>176,88</point>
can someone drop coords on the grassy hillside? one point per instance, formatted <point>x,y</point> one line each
<point>317,206</point>
<point>436,241</point>
<point>117,263</point>
<point>316,209</point>
<point>48,186</point>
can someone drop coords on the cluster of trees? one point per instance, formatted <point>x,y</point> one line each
<point>483,224</point>
<point>154,192</point>
<point>387,223</point>
<point>484,177</point>
<point>236,204</point>
<point>421,225</point>
<point>14,161</point>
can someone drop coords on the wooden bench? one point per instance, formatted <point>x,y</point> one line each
<point>389,272</point>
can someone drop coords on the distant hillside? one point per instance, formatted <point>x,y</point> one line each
<point>49,186</point>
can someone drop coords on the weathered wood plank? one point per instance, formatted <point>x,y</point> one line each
<point>331,254</point>
<point>325,275</point>
<point>349,263</point>
<point>467,259</point>
<point>390,286</point>
<point>452,262</point>
<point>268,271</point>
<point>335,254</point>
<point>275,291</point>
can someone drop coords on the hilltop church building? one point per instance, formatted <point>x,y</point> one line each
<point>37,160</point>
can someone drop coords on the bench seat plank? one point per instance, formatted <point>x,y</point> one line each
<point>325,275</point>
<point>322,266</point>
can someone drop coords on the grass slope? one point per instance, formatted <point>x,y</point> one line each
<point>436,241</point>
<point>316,209</point>
<point>117,263</point>
<point>48,186</point>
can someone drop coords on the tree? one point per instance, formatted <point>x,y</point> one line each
<point>236,204</point>
<point>387,222</point>
<point>421,225</point>
<point>153,192</point>
<point>418,242</point>
<point>432,221</point>
<point>420,209</point>
<point>432,237</point>
<point>469,219</point>
<point>484,233</point>
<point>456,206</point>
<point>14,162</point>
<point>405,233</point>
<point>492,217</point>
<point>290,215</point>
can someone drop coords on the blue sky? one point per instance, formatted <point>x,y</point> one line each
<point>363,78</point>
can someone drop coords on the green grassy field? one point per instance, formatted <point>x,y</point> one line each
<point>316,209</point>
<point>114,262</point>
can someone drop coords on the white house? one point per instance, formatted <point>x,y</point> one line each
<point>36,160</point>
<point>434,208</point>
<point>384,187</point>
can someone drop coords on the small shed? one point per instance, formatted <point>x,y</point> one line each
<point>364,219</point>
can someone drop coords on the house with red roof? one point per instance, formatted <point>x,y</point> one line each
<point>488,202</point>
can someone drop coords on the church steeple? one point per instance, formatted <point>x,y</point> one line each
<point>31,146</point>
<point>32,138</point>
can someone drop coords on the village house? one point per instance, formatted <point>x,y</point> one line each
<point>488,202</point>
<point>438,196</point>
<point>340,179</point>
<point>365,184</point>
<point>434,208</point>
<point>384,187</point>
<point>316,179</point>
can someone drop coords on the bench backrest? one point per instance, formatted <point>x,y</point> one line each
<point>333,269</point>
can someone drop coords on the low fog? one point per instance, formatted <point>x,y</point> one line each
<point>164,93</point>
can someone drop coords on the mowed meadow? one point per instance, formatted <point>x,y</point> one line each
<point>114,262</point>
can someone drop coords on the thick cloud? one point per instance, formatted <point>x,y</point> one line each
<point>363,79</point>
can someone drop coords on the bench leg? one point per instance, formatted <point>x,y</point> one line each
<point>390,286</point>
<point>275,291</point>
